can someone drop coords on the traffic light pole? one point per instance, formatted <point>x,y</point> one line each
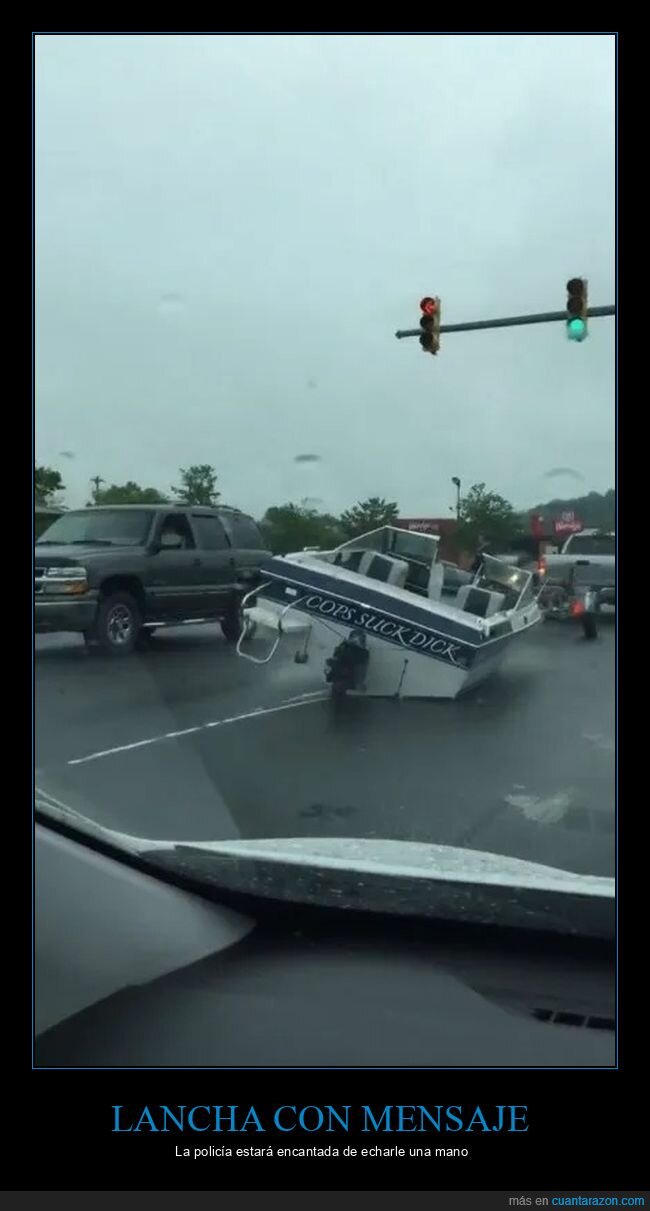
<point>511,321</point>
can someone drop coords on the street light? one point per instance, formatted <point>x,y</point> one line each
<point>455,480</point>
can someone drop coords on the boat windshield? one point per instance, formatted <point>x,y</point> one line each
<point>500,577</point>
<point>401,544</point>
<point>420,551</point>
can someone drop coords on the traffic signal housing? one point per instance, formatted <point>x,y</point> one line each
<point>577,306</point>
<point>430,324</point>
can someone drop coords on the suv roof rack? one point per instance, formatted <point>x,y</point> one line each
<point>184,504</point>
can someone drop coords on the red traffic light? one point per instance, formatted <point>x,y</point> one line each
<point>430,324</point>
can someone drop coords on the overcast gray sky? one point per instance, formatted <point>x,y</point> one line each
<point>229,230</point>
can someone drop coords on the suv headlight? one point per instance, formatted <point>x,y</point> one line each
<point>65,580</point>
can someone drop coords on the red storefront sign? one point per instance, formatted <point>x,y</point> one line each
<point>567,523</point>
<point>423,525</point>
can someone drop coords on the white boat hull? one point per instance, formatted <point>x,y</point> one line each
<point>391,672</point>
<point>374,623</point>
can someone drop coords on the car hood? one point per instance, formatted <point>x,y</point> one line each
<point>403,877</point>
<point>418,859</point>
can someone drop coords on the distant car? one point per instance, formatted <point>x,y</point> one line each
<point>117,573</point>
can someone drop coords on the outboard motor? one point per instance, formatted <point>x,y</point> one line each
<point>346,667</point>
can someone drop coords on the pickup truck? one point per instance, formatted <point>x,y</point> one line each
<point>587,558</point>
<point>594,546</point>
<point>117,573</point>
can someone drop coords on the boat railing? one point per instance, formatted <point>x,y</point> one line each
<point>246,632</point>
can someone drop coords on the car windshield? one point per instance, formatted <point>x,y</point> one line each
<point>303,295</point>
<point>118,527</point>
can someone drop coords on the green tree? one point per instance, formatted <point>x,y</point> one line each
<point>47,483</point>
<point>198,485</point>
<point>291,527</point>
<point>486,516</point>
<point>129,493</point>
<point>596,510</point>
<point>369,515</point>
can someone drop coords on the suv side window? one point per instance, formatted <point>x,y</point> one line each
<point>243,532</point>
<point>177,523</point>
<point>210,532</point>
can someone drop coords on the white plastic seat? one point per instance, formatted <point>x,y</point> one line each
<point>399,573</point>
<point>365,562</point>
<point>436,580</point>
<point>477,601</point>
<point>384,568</point>
<point>497,603</point>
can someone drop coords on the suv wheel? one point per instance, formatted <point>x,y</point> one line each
<point>118,624</point>
<point>232,624</point>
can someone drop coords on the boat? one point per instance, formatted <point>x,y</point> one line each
<point>374,614</point>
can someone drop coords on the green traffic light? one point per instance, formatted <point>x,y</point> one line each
<point>576,329</point>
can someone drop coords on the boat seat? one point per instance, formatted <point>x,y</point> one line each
<point>350,559</point>
<point>385,568</point>
<point>436,579</point>
<point>481,602</point>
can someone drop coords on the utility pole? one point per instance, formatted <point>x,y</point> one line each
<point>455,480</point>
<point>96,480</point>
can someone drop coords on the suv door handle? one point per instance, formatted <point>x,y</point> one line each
<point>197,560</point>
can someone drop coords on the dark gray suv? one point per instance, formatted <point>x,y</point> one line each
<point>116,573</point>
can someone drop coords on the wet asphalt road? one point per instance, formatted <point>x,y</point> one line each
<point>523,766</point>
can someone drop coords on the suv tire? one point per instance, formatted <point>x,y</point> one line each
<point>232,624</point>
<point>118,624</point>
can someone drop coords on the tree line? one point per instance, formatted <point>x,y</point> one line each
<point>484,516</point>
<point>596,510</point>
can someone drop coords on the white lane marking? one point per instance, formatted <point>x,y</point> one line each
<point>540,810</point>
<point>312,694</point>
<point>124,748</point>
